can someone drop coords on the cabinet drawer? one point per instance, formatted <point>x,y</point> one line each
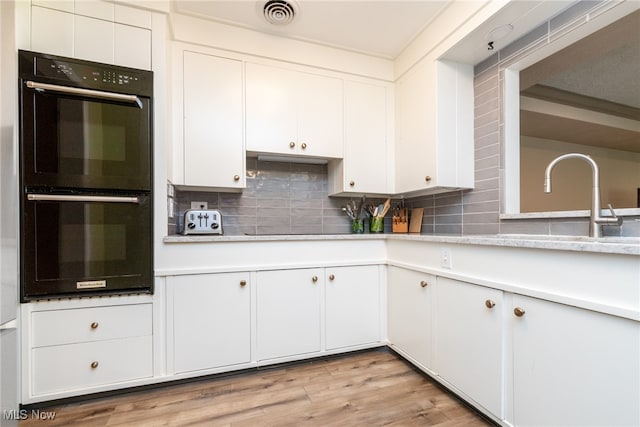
<point>90,324</point>
<point>69,367</point>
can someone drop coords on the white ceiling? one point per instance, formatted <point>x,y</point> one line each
<point>375,27</point>
<point>385,27</point>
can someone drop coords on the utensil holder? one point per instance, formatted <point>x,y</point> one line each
<point>376,225</point>
<point>357,226</point>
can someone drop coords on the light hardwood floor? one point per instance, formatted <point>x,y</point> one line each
<point>371,388</point>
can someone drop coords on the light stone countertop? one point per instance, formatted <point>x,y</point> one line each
<point>611,245</point>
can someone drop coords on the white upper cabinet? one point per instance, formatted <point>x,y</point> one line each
<point>293,113</point>
<point>132,46</point>
<point>434,128</point>
<point>51,31</point>
<point>92,30</point>
<point>212,152</point>
<point>93,39</point>
<point>366,164</point>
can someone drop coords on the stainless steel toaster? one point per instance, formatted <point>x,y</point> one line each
<point>202,221</point>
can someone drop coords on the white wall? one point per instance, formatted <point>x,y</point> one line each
<point>571,179</point>
<point>8,213</point>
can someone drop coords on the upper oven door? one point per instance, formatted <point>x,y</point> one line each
<point>78,138</point>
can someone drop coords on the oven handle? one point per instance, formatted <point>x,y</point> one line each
<point>85,92</point>
<point>74,198</point>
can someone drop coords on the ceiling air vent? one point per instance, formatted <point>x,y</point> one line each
<point>279,12</point>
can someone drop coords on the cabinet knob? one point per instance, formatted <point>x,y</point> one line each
<point>314,279</point>
<point>331,277</point>
<point>352,183</point>
<point>424,283</point>
<point>292,144</point>
<point>490,303</point>
<point>243,283</point>
<point>236,177</point>
<point>519,312</point>
<point>94,325</point>
<point>94,364</point>
<point>304,145</point>
<point>427,178</point>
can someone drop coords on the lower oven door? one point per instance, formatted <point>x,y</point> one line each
<point>77,244</point>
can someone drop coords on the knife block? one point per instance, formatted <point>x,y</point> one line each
<point>399,222</point>
<point>401,227</point>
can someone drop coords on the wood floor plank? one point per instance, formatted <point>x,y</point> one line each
<point>371,388</point>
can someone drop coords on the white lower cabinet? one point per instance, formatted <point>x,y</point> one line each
<point>83,365</point>
<point>296,307</point>
<point>352,306</point>
<point>573,366</point>
<point>409,305</point>
<point>468,340</point>
<point>75,349</point>
<point>211,319</point>
<point>288,312</point>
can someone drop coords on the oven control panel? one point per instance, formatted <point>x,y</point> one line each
<point>202,221</point>
<point>54,69</point>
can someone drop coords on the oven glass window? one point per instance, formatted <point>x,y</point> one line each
<point>91,138</point>
<point>89,240</point>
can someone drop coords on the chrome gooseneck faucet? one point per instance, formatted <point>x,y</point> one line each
<point>596,218</point>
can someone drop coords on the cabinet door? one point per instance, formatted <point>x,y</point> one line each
<point>213,147</point>
<point>93,39</point>
<point>320,115</point>
<point>132,47</point>
<point>409,295</point>
<point>573,366</point>
<point>288,312</point>
<point>211,320</point>
<point>352,306</point>
<point>293,113</point>
<point>365,148</point>
<point>415,154</point>
<point>52,31</point>
<point>271,109</point>
<point>78,366</point>
<point>467,340</point>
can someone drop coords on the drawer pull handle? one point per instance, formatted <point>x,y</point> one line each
<point>94,364</point>
<point>314,279</point>
<point>519,312</point>
<point>243,283</point>
<point>292,144</point>
<point>331,277</point>
<point>94,325</point>
<point>304,145</point>
<point>236,177</point>
<point>352,183</point>
<point>490,303</point>
<point>424,283</point>
<point>427,178</point>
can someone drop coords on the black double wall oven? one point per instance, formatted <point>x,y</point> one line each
<point>86,168</point>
